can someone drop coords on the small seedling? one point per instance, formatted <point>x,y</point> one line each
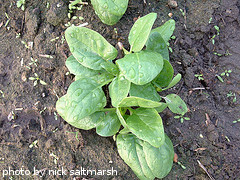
<point>34,144</point>
<point>18,35</point>
<point>42,110</point>
<point>54,39</point>
<point>199,76</point>
<point>55,116</point>
<point>231,94</point>
<point>182,118</point>
<point>210,20</point>
<point>182,166</point>
<point>8,19</point>
<point>226,73</point>
<point>182,11</point>
<point>21,4</point>
<point>36,79</point>
<point>218,32</point>
<point>25,44</point>
<point>2,93</point>
<point>236,121</point>
<point>55,158</point>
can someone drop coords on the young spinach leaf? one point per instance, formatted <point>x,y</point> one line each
<point>166,30</point>
<point>109,125</point>
<point>142,67</point>
<point>140,31</point>
<point>84,97</point>
<point>164,78</point>
<point>89,47</point>
<point>110,11</point>
<point>176,104</point>
<point>118,89</point>
<point>147,125</point>
<point>137,101</point>
<point>146,161</point>
<point>156,43</point>
<point>146,91</point>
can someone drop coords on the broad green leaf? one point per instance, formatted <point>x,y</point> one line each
<point>141,68</point>
<point>118,89</point>
<point>156,43</point>
<point>86,123</point>
<point>146,91</point>
<point>140,31</point>
<point>89,47</point>
<point>147,125</point>
<point>79,70</point>
<point>174,81</point>
<point>101,78</point>
<point>137,101</point>
<point>159,160</point>
<point>161,108</point>
<point>110,11</point>
<point>164,78</point>
<point>176,104</point>
<point>166,30</point>
<point>109,125</point>
<point>84,97</point>
<point>146,161</point>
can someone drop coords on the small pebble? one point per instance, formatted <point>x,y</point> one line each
<point>172,3</point>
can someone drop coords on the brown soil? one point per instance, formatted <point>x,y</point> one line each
<point>27,112</point>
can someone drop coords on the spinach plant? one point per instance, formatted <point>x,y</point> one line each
<point>110,11</point>
<point>128,108</point>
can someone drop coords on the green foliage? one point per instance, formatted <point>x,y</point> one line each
<point>131,85</point>
<point>110,11</point>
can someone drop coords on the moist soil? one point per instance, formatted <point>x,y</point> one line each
<point>34,136</point>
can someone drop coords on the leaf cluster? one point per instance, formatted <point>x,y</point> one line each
<point>133,83</point>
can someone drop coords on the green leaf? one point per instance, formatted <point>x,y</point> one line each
<point>118,89</point>
<point>140,32</point>
<point>110,11</point>
<point>176,104</point>
<point>141,68</point>
<point>161,108</point>
<point>100,76</point>
<point>166,30</point>
<point>109,125</point>
<point>84,97</point>
<point>89,47</point>
<point>137,101</point>
<point>175,80</point>
<point>146,161</point>
<point>164,78</point>
<point>159,160</point>
<point>147,125</point>
<point>78,69</point>
<point>146,91</point>
<point>156,43</point>
<point>86,123</point>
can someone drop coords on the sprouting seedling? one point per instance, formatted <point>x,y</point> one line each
<point>8,19</point>
<point>226,73</point>
<point>72,6</point>
<point>2,93</point>
<point>210,20</point>
<point>55,158</point>
<point>36,79</point>
<point>21,3</point>
<point>236,121</point>
<point>182,118</point>
<point>25,44</point>
<point>18,35</point>
<point>34,144</point>
<point>182,166</point>
<point>231,94</point>
<point>182,11</point>
<point>199,76</point>
<point>33,62</point>
<point>218,32</point>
